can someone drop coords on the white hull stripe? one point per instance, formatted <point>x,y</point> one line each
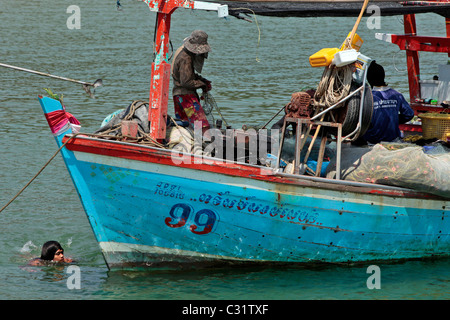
<point>117,248</point>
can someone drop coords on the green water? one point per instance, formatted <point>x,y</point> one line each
<point>117,47</point>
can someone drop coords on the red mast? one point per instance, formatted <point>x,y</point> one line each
<point>412,44</point>
<point>160,77</point>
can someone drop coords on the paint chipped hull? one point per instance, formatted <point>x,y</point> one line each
<point>148,207</point>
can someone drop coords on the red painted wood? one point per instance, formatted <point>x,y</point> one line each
<point>412,59</point>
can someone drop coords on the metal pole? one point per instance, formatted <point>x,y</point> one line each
<point>48,75</point>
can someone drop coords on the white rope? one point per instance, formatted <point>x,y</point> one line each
<point>334,85</point>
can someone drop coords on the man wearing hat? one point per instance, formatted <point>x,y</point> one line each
<point>389,108</point>
<point>188,60</point>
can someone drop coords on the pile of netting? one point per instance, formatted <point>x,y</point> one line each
<point>408,167</point>
<point>137,111</point>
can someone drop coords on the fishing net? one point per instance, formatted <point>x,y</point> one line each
<point>208,108</point>
<point>408,167</point>
<point>209,105</point>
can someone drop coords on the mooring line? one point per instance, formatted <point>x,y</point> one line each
<point>37,174</point>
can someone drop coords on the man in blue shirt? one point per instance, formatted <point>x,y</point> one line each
<point>389,108</point>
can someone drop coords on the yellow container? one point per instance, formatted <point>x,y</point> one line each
<point>356,43</point>
<point>323,57</point>
<point>435,125</point>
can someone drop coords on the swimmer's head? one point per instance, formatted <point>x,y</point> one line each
<point>52,250</point>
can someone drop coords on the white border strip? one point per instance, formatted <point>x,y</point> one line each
<point>118,247</point>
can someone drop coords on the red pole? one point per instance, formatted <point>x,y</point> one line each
<point>447,27</point>
<point>447,23</point>
<point>412,59</point>
<point>160,79</point>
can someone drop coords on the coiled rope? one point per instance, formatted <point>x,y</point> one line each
<point>334,85</point>
<point>113,132</point>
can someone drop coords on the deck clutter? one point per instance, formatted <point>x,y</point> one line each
<point>403,164</point>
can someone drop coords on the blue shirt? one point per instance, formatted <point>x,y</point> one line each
<point>389,110</point>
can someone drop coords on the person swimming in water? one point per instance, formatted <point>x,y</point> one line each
<point>52,251</point>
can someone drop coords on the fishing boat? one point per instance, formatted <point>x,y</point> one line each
<point>150,206</point>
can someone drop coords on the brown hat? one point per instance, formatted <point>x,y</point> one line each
<point>197,42</point>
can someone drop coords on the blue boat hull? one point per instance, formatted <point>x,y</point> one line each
<point>147,211</point>
<point>170,218</point>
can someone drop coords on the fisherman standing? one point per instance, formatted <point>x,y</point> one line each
<point>188,60</point>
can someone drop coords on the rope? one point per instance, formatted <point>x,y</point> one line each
<point>37,174</point>
<point>127,117</point>
<point>140,140</point>
<point>257,26</point>
<point>334,85</point>
<point>143,139</point>
<point>273,117</point>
